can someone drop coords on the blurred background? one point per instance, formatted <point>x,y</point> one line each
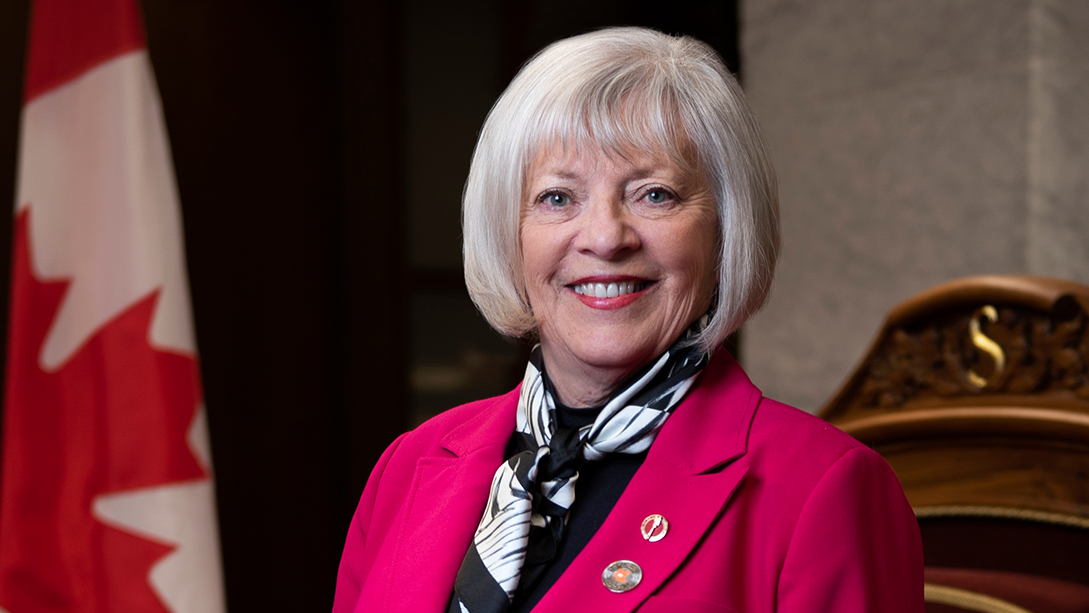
<point>321,149</point>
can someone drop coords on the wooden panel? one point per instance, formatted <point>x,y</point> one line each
<point>1012,473</point>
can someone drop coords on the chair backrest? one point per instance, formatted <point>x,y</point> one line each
<point>977,394</point>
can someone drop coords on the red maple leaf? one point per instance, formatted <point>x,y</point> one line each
<point>112,418</point>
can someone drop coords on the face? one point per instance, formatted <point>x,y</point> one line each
<point>619,258</point>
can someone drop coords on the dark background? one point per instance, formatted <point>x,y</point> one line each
<point>306,137</point>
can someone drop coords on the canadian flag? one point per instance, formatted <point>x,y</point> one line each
<point>106,500</point>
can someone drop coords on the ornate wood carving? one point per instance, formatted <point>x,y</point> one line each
<point>1021,351</point>
<point>1000,341</point>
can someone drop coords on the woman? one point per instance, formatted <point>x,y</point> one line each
<point>621,207</point>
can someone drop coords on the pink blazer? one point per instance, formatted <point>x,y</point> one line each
<point>769,509</point>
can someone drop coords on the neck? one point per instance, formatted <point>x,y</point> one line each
<point>580,385</point>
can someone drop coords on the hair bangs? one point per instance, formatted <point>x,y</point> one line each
<point>632,111</point>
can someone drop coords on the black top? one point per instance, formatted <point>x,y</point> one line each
<point>599,486</point>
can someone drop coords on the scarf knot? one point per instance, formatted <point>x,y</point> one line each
<point>564,456</point>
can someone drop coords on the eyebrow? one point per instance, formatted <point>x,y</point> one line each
<point>562,174</point>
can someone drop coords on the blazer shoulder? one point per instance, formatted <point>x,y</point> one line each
<point>466,426</point>
<point>783,427</point>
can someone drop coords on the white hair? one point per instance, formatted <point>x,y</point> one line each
<point>623,89</point>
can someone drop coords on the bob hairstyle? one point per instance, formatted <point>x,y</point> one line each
<point>623,90</point>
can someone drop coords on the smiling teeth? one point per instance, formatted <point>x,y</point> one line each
<point>608,290</point>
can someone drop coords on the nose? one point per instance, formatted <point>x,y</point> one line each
<point>606,230</point>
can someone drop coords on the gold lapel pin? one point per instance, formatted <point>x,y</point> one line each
<point>654,528</point>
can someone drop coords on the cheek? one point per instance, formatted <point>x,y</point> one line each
<point>543,244</point>
<point>531,258</point>
<point>539,259</point>
<point>696,255</point>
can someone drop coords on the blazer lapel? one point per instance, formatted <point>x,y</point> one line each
<point>693,469</point>
<point>443,508</point>
<point>690,504</point>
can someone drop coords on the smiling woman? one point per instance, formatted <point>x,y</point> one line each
<point>621,207</point>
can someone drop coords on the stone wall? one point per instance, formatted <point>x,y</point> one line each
<point>917,141</point>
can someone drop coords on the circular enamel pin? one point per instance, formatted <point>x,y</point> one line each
<point>622,576</point>
<point>654,528</point>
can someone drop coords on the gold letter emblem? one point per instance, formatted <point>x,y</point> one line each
<point>986,345</point>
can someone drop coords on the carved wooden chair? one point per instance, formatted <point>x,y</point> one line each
<point>977,394</point>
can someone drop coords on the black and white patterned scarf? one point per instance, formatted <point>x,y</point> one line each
<point>531,493</point>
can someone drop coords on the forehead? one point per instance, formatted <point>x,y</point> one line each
<point>556,160</point>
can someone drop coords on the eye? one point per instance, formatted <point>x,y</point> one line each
<point>556,199</point>
<point>658,195</point>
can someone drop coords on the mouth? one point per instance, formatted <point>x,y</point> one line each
<point>613,289</point>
